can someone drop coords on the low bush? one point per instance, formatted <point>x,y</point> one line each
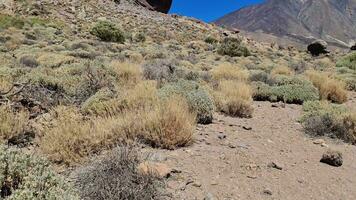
<point>25,177</point>
<point>7,21</point>
<point>211,40</point>
<point>348,61</point>
<point>198,99</point>
<point>108,32</point>
<point>227,71</point>
<point>287,89</point>
<point>234,98</point>
<point>233,47</point>
<point>163,70</point>
<point>259,76</point>
<point>329,88</point>
<point>117,177</point>
<point>325,119</point>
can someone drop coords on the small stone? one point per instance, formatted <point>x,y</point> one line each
<point>247,128</point>
<point>333,158</point>
<point>222,136</point>
<point>275,165</point>
<point>232,146</point>
<point>209,196</point>
<point>196,184</point>
<point>267,192</point>
<point>319,141</point>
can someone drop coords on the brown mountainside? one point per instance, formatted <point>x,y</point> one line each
<point>301,20</point>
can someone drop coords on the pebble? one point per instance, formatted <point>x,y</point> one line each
<point>267,192</point>
<point>275,165</point>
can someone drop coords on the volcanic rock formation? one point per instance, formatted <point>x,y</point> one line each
<point>157,5</point>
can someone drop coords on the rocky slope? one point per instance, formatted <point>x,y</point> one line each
<point>301,20</point>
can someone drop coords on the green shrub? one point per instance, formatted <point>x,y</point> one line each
<point>348,61</point>
<point>325,119</point>
<point>287,89</point>
<point>108,32</point>
<point>198,99</point>
<point>26,177</point>
<point>233,47</point>
<point>211,40</point>
<point>7,21</point>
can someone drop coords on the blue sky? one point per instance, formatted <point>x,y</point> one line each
<point>208,10</point>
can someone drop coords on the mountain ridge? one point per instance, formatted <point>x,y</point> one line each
<point>302,20</point>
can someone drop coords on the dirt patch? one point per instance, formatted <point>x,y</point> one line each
<point>231,159</point>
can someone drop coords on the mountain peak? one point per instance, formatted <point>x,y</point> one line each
<point>303,20</point>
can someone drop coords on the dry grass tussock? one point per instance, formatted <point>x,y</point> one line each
<point>128,73</point>
<point>12,123</point>
<point>234,98</point>
<point>282,70</point>
<point>227,71</point>
<point>329,88</point>
<point>72,137</point>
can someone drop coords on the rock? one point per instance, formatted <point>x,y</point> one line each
<point>267,192</point>
<point>318,47</point>
<point>333,158</point>
<point>196,184</point>
<point>157,169</point>
<point>247,128</point>
<point>222,136</point>
<point>156,5</point>
<point>319,141</point>
<point>353,48</point>
<point>275,165</point>
<point>209,196</point>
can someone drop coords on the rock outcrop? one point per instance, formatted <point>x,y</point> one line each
<point>318,47</point>
<point>157,5</point>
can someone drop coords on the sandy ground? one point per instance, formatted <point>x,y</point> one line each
<point>230,159</point>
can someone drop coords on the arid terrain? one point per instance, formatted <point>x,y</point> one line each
<point>109,100</point>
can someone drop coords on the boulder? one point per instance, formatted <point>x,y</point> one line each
<point>353,48</point>
<point>318,47</point>
<point>333,158</point>
<point>156,5</point>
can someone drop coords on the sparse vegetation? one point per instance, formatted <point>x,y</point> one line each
<point>348,61</point>
<point>198,99</point>
<point>26,177</point>
<point>329,88</point>
<point>116,177</point>
<point>12,123</point>
<point>286,89</point>
<point>227,71</point>
<point>108,32</point>
<point>233,47</point>
<point>234,98</point>
<point>325,119</point>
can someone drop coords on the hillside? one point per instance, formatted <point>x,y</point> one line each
<point>300,20</point>
<point>110,100</point>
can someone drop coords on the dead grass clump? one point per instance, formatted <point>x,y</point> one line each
<point>54,60</point>
<point>12,123</point>
<point>227,71</point>
<point>116,177</point>
<point>282,70</point>
<point>234,98</point>
<point>169,125</point>
<point>329,88</point>
<point>126,72</point>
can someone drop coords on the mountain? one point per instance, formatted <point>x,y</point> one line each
<point>300,20</point>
